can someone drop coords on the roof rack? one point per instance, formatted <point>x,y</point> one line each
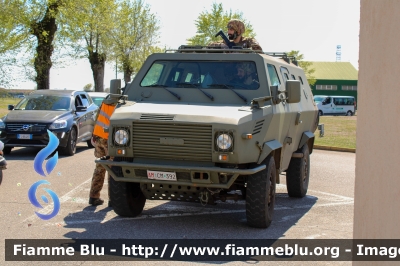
<point>284,56</point>
<point>235,49</point>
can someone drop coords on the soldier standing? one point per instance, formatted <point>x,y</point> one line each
<point>99,141</point>
<point>236,29</point>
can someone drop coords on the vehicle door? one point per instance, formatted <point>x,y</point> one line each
<point>338,105</point>
<point>87,117</point>
<point>326,106</point>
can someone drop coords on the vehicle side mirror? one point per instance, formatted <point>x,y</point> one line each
<point>10,107</point>
<point>81,108</point>
<point>293,91</point>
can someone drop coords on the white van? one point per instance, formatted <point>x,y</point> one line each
<point>335,105</point>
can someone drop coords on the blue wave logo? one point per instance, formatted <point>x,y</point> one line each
<point>35,202</point>
<point>44,153</point>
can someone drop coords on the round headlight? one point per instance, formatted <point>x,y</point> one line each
<point>121,137</point>
<point>224,141</point>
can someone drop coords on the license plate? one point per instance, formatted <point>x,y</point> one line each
<point>24,136</point>
<point>170,176</point>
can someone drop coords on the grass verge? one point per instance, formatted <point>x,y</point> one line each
<point>340,131</point>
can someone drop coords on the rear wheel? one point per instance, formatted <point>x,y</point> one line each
<point>260,195</point>
<point>298,174</point>
<point>349,113</point>
<point>7,150</point>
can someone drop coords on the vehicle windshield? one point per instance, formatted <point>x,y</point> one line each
<point>97,100</point>
<point>318,99</point>
<point>202,74</point>
<point>44,102</point>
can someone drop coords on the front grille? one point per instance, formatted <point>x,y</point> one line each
<point>172,141</point>
<point>26,127</point>
<point>158,117</point>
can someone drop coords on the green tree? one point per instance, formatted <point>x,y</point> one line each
<point>305,65</point>
<point>211,22</point>
<point>134,36</point>
<point>88,87</point>
<point>31,24</point>
<point>86,26</point>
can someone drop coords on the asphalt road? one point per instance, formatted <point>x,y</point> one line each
<point>325,213</point>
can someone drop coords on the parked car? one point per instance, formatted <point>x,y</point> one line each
<point>98,97</point>
<point>335,105</point>
<point>69,114</point>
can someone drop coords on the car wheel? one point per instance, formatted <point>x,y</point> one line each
<point>320,113</point>
<point>126,198</point>
<point>70,149</point>
<point>260,195</point>
<point>7,150</point>
<point>349,113</point>
<point>1,175</point>
<point>89,144</point>
<point>298,174</point>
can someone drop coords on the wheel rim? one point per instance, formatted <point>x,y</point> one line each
<point>73,140</point>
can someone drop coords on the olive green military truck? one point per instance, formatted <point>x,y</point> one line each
<point>206,125</point>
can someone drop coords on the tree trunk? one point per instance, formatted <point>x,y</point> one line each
<point>97,63</point>
<point>44,31</point>
<point>128,71</point>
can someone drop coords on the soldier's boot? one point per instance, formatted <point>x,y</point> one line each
<point>95,202</point>
<point>3,163</point>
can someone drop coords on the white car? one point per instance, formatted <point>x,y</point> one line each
<point>98,97</point>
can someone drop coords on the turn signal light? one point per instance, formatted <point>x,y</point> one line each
<point>223,157</point>
<point>121,152</point>
<point>247,136</point>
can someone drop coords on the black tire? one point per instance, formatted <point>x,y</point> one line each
<point>320,113</point>
<point>260,195</point>
<point>89,144</point>
<point>349,113</point>
<point>1,175</point>
<point>7,150</point>
<point>126,198</point>
<point>298,174</point>
<point>70,149</point>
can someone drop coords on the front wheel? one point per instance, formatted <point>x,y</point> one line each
<point>320,113</point>
<point>126,198</point>
<point>7,150</point>
<point>260,195</point>
<point>298,174</point>
<point>70,149</point>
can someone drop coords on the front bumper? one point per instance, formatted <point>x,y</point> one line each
<point>127,172</point>
<point>38,139</point>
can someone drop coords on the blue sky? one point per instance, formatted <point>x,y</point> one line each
<point>314,27</point>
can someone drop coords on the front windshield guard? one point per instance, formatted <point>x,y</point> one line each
<point>241,75</point>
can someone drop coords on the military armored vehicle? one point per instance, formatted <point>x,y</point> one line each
<point>209,125</point>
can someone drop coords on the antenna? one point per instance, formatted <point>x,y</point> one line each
<point>338,53</point>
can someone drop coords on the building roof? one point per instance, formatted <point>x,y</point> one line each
<point>334,71</point>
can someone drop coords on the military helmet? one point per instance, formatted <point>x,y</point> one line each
<point>237,26</point>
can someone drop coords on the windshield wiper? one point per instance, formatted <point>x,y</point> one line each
<point>197,87</point>
<point>165,87</point>
<point>228,87</point>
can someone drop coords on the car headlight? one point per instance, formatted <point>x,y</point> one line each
<point>121,137</point>
<point>224,141</point>
<point>2,125</point>
<point>59,123</point>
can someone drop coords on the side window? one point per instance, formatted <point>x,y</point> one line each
<point>273,75</point>
<point>78,101</point>
<point>84,100</point>
<point>153,75</point>
<point>285,73</point>
<point>327,100</point>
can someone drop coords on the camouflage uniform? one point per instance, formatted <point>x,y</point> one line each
<point>100,150</point>
<point>245,42</point>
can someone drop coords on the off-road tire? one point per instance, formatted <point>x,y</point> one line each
<point>126,198</point>
<point>298,174</point>
<point>7,150</point>
<point>70,149</point>
<point>260,195</point>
